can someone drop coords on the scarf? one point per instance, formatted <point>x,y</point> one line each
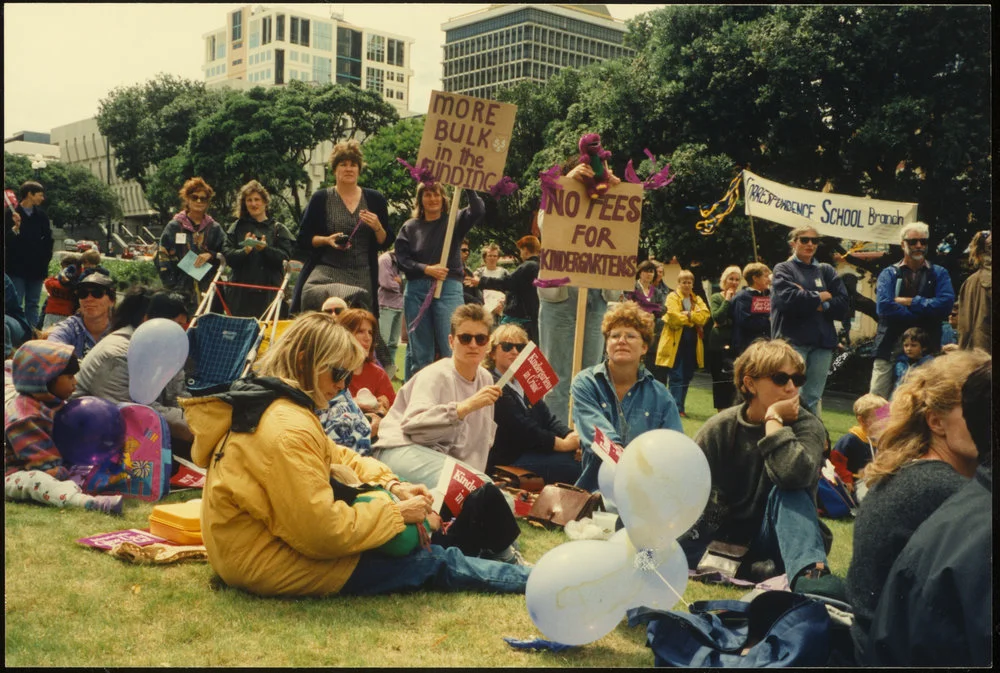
<point>188,225</point>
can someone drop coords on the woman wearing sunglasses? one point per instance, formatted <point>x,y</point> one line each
<point>95,292</point>
<point>806,297</point>
<point>446,409</point>
<point>764,456</point>
<point>271,523</point>
<point>528,435</point>
<point>619,396</point>
<point>191,230</point>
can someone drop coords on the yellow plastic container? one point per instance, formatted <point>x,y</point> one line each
<point>178,522</point>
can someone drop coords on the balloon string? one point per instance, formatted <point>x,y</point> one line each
<point>669,585</point>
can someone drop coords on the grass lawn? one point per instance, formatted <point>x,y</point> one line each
<point>66,605</point>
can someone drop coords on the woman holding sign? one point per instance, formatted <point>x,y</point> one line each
<point>618,396</point>
<point>280,515</point>
<point>528,435</point>
<point>418,255</point>
<point>342,229</point>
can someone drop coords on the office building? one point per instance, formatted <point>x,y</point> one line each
<point>269,46</point>
<point>496,47</point>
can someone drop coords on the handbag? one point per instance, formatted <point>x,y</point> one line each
<point>508,476</point>
<point>558,504</point>
<point>775,629</point>
<point>723,557</point>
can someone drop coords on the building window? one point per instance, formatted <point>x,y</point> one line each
<point>293,55</point>
<point>298,31</point>
<point>375,79</point>
<point>237,22</point>
<point>220,50</point>
<point>265,32</point>
<point>323,36</point>
<point>322,70</point>
<point>210,48</point>
<point>305,57</point>
<point>396,52</point>
<point>376,48</point>
<point>254,34</point>
<point>279,28</point>
<point>399,95</point>
<point>238,61</point>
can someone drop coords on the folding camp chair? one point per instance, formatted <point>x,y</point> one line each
<point>224,347</point>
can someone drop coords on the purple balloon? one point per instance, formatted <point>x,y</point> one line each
<point>89,431</point>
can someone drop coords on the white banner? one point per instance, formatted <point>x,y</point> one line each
<point>852,217</point>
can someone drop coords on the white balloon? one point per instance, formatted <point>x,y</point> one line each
<point>578,592</point>
<point>661,487</point>
<point>662,580</point>
<point>606,481</point>
<point>156,352</point>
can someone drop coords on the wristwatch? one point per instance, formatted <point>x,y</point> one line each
<point>774,417</point>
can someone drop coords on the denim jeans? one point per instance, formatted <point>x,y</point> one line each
<point>789,534</point>
<point>556,331</point>
<point>552,467</point>
<point>432,332</point>
<point>13,336</point>
<point>389,322</point>
<point>30,292</point>
<point>681,374</point>
<point>437,569</point>
<point>817,368</point>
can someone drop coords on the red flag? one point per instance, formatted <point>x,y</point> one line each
<point>10,198</point>
<point>454,486</point>
<point>605,448</point>
<point>536,376</point>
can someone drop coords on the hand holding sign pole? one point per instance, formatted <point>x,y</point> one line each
<point>465,145</point>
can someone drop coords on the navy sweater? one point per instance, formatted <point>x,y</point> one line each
<point>419,242</point>
<point>795,300</point>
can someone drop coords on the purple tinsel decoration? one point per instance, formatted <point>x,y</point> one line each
<point>550,183</point>
<point>423,174</point>
<point>554,282</point>
<point>657,179</point>
<point>504,187</point>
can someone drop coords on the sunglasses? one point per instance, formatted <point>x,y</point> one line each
<point>95,292</point>
<point>465,250</point>
<point>466,339</point>
<point>339,375</point>
<point>916,241</point>
<point>199,199</point>
<point>809,239</point>
<point>334,311</point>
<point>508,346</point>
<point>781,378</point>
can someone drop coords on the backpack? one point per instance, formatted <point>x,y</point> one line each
<point>148,455</point>
<point>775,629</point>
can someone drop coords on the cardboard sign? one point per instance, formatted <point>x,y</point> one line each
<point>140,538</point>
<point>454,486</point>
<point>593,242</point>
<point>605,448</point>
<point>466,139</point>
<point>760,305</point>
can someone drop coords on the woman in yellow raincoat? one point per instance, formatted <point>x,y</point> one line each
<point>681,346</point>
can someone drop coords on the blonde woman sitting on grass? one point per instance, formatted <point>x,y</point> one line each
<point>271,522</point>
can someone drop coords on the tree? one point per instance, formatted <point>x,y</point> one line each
<point>73,196</point>
<point>386,175</point>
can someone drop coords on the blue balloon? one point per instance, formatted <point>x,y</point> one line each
<point>156,352</point>
<point>89,431</point>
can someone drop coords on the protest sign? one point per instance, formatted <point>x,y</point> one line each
<point>852,217</point>
<point>533,372</point>
<point>465,140</point>
<point>593,242</point>
<point>605,448</point>
<point>454,486</point>
<point>137,537</point>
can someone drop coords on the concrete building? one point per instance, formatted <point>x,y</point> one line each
<point>30,143</point>
<point>274,45</point>
<point>494,48</point>
<point>82,143</point>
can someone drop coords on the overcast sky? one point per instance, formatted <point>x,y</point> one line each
<point>61,59</point>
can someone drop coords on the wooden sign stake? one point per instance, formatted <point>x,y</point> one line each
<point>452,216</point>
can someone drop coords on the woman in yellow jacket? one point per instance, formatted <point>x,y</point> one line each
<point>270,519</point>
<point>681,345</point>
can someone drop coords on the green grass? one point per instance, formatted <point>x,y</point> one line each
<point>66,605</point>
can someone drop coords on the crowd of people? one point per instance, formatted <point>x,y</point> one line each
<point>320,474</point>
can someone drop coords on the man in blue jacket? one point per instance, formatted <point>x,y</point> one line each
<point>910,293</point>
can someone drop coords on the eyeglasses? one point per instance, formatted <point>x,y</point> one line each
<point>95,292</point>
<point>334,311</point>
<point>198,198</point>
<point>508,346</point>
<point>809,239</point>
<point>339,375</point>
<point>466,339</point>
<point>627,336</point>
<point>916,241</point>
<point>781,378</point>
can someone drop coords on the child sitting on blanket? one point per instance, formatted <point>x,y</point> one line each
<point>44,375</point>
